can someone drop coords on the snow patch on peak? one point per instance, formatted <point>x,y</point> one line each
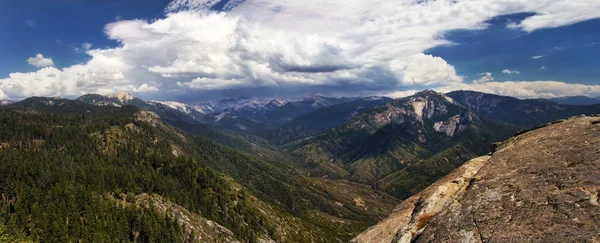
<point>220,116</point>
<point>204,108</point>
<point>373,98</point>
<point>122,96</point>
<point>176,105</point>
<point>278,102</point>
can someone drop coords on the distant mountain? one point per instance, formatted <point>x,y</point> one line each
<point>248,107</point>
<point>258,116</point>
<point>165,110</point>
<point>576,100</point>
<point>546,179</point>
<point>394,146</point>
<point>117,99</point>
<point>523,113</point>
<point>243,115</point>
<point>238,105</point>
<point>63,106</point>
<point>323,119</point>
<point>178,113</point>
<point>303,105</point>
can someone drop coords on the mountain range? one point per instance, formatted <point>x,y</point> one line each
<point>577,100</point>
<point>315,168</point>
<point>394,146</point>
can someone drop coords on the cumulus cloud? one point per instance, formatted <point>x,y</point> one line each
<point>421,69</point>
<point>145,88</point>
<point>508,71</point>
<point>353,45</point>
<point>486,77</point>
<point>543,67</point>
<point>561,13</point>
<point>86,45</point>
<point>529,89</point>
<point>537,57</point>
<point>103,74</point>
<point>40,61</point>
<point>400,93</point>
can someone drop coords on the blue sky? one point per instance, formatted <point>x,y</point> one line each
<point>60,26</point>
<point>571,53</point>
<point>189,50</point>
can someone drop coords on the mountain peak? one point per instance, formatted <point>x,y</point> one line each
<point>277,102</point>
<point>122,96</point>
<point>428,92</point>
<point>312,97</point>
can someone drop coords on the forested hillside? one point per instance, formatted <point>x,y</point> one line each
<point>60,172</point>
<point>74,171</point>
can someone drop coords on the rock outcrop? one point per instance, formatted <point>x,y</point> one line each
<point>403,146</point>
<point>197,228</point>
<point>539,186</point>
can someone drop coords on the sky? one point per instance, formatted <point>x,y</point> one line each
<point>194,50</point>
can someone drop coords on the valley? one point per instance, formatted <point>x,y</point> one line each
<point>313,169</point>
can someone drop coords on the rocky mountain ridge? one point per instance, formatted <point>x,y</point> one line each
<point>577,100</point>
<point>525,113</point>
<point>540,186</point>
<point>390,138</point>
<point>323,119</point>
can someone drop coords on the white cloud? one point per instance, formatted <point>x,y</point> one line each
<point>528,89</point>
<point>359,44</point>
<point>86,45</point>
<point>40,61</point>
<point>30,23</point>
<point>421,69</point>
<point>209,84</point>
<point>560,13</point>
<point>103,74</point>
<point>508,71</point>
<point>145,88</point>
<point>537,57</point>
<point>399,93</point>
<point>486,77</point>
<point>543,67</point>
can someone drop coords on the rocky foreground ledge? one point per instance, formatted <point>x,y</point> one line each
<point>542,185</point>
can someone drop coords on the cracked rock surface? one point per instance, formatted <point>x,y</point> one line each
<point>540,186</point>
